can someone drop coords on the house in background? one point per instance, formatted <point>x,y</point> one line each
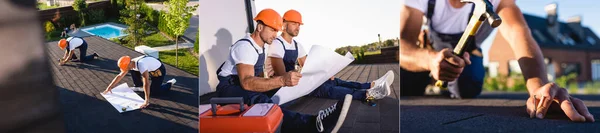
<point>568,47</point>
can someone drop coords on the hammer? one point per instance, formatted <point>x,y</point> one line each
<point>483,10</point>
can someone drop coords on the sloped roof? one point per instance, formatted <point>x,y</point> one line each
<point>567,38</point>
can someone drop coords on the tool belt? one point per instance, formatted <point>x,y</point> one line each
<point>155,73</point>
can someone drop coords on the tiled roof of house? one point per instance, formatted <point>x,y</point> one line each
<point>567,39</point>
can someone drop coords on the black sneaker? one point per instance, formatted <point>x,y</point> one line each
<point>332,118</point>
<point>74,57</point>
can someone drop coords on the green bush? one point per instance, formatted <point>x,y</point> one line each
<point>592,87</point>
<point>196,46</point>
<point>96,16</point>
<point>49,27</point>
<point>518,83</point>
<point>563,81</point>
<point>149,15</point>
<point>495,83</point>
<point>162,25</point>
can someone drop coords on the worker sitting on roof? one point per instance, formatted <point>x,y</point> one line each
<point>242,76</point>
<point>285,53</point>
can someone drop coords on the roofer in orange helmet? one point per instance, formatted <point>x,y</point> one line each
<point>69,45</point>
<point>242,75</point>
<point>143,69</point>
<point>286,53</point>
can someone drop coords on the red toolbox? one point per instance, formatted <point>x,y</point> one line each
<point>239,118</point>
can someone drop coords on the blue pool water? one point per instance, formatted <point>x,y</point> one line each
<point>106,31</point>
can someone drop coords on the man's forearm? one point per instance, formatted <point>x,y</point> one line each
<point>258,84</point>
<point>530,58</point>
<point>413,58</point>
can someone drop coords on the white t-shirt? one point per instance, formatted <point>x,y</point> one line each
<point>74,42</point>
<point>148,63</point>
<point>449,20</point>
<point>278,50</point>
<point>242,52</point>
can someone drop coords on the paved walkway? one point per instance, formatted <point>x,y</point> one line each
<point>490,112</point>
<point>86,111</point>
<point>172,47</point>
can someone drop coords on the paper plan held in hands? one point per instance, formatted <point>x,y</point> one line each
<point>123,98</point>
<point>321,63</point>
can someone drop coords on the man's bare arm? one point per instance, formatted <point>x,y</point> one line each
<point>516,32</point>
<point>412,58</point>
<point>257,84</point>
<point>278,66</point>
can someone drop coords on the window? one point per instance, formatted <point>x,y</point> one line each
<point>493,69</point>
<point>568,68</point>
<point>595,69</point>
<point>539,35</point>
<point>513,67</point>
<point>591,40</point>
<point>551,73</point>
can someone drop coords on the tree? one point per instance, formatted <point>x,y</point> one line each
<point>388,43</point>
<point>81,7</point>
<point>137,28</point>
<point>196,46</point>
<point>178,17</point>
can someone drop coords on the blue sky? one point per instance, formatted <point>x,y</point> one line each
<point>566,9</point>
<point>337,23</point>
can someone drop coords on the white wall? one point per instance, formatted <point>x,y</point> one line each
<point>221,23</point>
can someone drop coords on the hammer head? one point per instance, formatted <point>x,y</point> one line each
<point>485,9</point>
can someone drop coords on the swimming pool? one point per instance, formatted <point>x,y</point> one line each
<point>107,31</point>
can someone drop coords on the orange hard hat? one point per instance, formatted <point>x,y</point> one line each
<point>62,43</point>
<point>293,16</point>
<point>270,18</point>
<point>124,63</point>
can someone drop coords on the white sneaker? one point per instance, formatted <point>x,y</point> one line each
<point>388,77</point>
<point>379,91</point>
<point>140,89</point>
<point>172,81</point>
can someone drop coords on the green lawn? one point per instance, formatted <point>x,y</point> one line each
<point>44,6</point>
<point>187,61</point>
<point>372,52</point>
<point>156,39</point>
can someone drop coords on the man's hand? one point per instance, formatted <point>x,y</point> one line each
<point>555,98</point>
<point>291,78</point>
<point>146,103</point>
<point>106,91</point>
<point>332,78</point>
<point>446,66</point>
<point>61,61</point>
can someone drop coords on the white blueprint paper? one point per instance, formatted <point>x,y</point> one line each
<point>320,65</point>
<point>123,98</point>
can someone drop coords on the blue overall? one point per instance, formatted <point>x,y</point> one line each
<point>82,52</point>
<point>156,86</point>
<point>470,81</point>
<point>334,89</point>
<point>230,87</point>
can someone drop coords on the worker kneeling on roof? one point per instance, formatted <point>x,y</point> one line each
<point>143,69</point>
<point>71,44</point>
<point>447,20</point>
